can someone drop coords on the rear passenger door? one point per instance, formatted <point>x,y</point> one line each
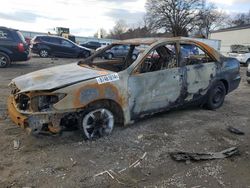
<point>55,44</point>
<point>68,49</point>
<point>200,69</point>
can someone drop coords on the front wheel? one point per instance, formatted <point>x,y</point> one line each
<point>98,121</point>
<point>216,96</point>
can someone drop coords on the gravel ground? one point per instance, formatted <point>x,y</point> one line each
<point>68,161</point>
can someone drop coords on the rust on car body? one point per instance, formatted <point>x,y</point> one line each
<point>48,99</point>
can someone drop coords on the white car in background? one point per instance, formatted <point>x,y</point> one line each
<point>248,74</point>
<point>241,53</point>
<point>243,58</point>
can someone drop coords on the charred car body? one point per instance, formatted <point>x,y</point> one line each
<point>98,93</point>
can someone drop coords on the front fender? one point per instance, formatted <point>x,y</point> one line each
<point>80,95</point>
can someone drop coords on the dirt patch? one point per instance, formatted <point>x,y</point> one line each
<point>68,161</point>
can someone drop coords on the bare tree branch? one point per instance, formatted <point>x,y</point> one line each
<point>174,16</point>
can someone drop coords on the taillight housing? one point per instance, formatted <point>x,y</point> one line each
<point>20,47</point>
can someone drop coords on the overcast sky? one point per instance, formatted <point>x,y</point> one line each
<point>83,17</point>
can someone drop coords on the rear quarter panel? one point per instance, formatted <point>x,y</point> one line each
<point>230,71</point>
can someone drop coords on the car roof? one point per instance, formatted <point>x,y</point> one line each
<point>51,36</point>
<point>149,41</point>
<point>93,41</point>
<point>2,27</point>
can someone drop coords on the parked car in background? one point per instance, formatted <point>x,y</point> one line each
<point>248,74</point>
<point>120,52</point>
<point>92,45</point>
<point>242,57</point>
<point>241,53</point>
<point>46,46</point>
<point>103,44</point>
<point>96,94</point>
<point>12,47</point>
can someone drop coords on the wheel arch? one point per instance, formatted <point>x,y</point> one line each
<point>248,61</point>
<point>111,53</point>
<point>226,84</point>
<point>6,51</point>
<point>113,104</point>
<point>8,59</point>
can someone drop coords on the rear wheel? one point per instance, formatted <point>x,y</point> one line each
<point>86,54</point>
<point>134,57</point>
<point>216,96</point>
<point>97,121</point>
<point>4,60</point>
<point>109,56</point>
<point>44,53</point>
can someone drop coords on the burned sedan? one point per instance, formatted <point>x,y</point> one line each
<point>96,94</point>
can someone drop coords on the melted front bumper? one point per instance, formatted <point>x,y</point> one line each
<point>35,124</point>
<point>18,118</point>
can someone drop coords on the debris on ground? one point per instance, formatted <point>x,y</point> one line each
<point>16,144</point>
<point>235,131</point>
<point>117,175</point>
<point>140,136</point>
<point>111,174</point>
<point>73,162</point>
<point>3,114</point>
<point>187,156</point>
<point>106,171</point>
<point>137,162</point>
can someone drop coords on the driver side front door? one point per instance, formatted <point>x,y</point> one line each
<point>155,90</point>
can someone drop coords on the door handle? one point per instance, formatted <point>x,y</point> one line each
<point>181,76</point>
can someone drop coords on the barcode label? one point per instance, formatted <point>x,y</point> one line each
<point>107,78</point>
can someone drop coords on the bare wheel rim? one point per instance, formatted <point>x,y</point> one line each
<point>98,123</point>
<point>134,57</point>
<point>44,53</point>
<point>3,61</point>
<point>110,56</point>
<point>87,54</point>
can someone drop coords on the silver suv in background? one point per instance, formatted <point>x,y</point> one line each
<point>120,51</point>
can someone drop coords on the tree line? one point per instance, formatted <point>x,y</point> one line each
<point>171,18</point>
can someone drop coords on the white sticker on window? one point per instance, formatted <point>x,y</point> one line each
<point>107,78</point>
<point>3,35</point>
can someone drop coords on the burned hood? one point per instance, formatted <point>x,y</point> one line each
<point>55,77</point>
